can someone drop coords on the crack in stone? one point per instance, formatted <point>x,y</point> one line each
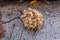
<point>21,35</point>
<point>12,20</point>
<point>15,17</point>
<point>12,31</point>
<point>13,25</point>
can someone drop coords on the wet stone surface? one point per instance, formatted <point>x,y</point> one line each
<point>16,31</point>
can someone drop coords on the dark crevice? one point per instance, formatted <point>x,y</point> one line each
<point>15,17</point>
<point>21,35</point>
<point>11,20</point>
<point>12,31</point>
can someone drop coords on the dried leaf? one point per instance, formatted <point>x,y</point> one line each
<point>34,3</point>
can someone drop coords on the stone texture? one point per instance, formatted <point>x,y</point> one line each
<point>16,31</point>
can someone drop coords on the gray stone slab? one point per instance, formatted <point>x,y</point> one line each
<point>16,31</point>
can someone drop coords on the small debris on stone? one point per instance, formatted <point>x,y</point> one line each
<point>32,19</point>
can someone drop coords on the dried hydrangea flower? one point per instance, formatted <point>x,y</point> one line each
<point>32,19</point>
